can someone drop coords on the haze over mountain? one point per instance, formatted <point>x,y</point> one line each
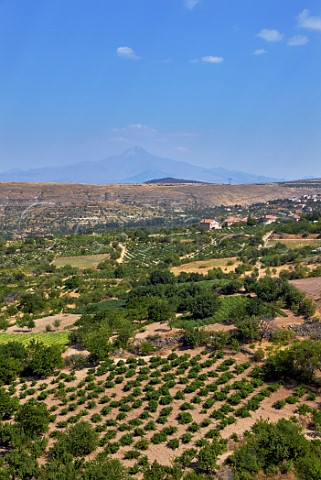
<point>135,165</point>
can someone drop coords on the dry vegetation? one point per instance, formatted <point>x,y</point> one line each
<point>203,266</point>
<point>183,194</point>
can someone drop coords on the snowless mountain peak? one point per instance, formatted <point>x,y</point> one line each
<point>135,152</point>
<point>137,166</point>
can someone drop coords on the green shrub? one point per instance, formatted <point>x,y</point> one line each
<point>159,438</point>
<point>126,439</point>
<point>173,444</point>
<point>131,454</point>
<point>279,404</point>
<point>142,444</point>
<point>184,418</point>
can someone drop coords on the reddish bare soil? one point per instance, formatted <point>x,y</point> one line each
<point>312,287</point>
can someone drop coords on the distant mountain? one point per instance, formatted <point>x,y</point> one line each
<point>158,181</point>
<point>135,165</point>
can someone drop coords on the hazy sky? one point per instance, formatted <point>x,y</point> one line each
<point>233,83</point>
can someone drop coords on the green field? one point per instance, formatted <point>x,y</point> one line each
<point>82,261</point>
<point>100,307</point>
<point>228,307</point>
<point>59,338</point>
<point>297,242</point>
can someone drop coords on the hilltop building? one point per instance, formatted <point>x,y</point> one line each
<point>210,224</point>
<point>268,219</point>
<point>229,222</point>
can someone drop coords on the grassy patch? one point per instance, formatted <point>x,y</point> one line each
<point>59,338</point>
<point>229,306</point>
<point>82,261</point>
<point>100,307</point>
<point>297,242</point>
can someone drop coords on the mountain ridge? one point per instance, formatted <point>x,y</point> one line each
<point>137,166</point>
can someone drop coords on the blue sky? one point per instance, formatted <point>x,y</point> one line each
<point>233,83</point>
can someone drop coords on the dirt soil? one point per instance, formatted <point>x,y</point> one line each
<point>157,328</point>
<point>203,266</point>
<point>312,287</point>
<point>291,319</point>
<point>65,319</point>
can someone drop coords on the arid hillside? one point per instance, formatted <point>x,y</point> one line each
<point>12,193</point>
<point>29,207</point>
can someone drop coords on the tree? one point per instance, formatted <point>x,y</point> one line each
<point>266,326</point>
<point>32,303</point>
<point>161,276</point>
<point>219,340</point>
<point>306,358</point>
<point>269,447</point>
<point>97,342</point>
<point>251,221</point>
<point>33,418</point>
<point>232,287</point>
<point>204,305</point>
<point>299,361</point>
<point>309,466</point>
<point>73,282</point>
<point>195,337</point>
<point>307,308</point>
<point>56,470</point>
<point>26,321</point>
<point>249,329</point>
<point>21,465</point>
<point>270,289</point>
<point>125,331</point>
<point>8,404</point>
<point>245,463</point>
<point>208,454</point>
<point>160,310</point>
<point>103,469</point>
<point>42,360</point>
<point>79,440</point>
<point>13,357</point>
<point>4,323</point>
<point>155,471</point>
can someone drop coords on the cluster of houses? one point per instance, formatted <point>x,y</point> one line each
<point>212,224</point>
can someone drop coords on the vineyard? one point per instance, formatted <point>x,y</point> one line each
<point>179,403</point>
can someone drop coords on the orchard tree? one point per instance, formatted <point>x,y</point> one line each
<point>13,357</point>
<point>249,329</point>
<point>204,305</point>
<point>32,303</point>
<point>80,439</point>
<point>111,469</point>
<point>302,360</point>
<point>97,342</point>
<point>33,418</point>
<point>42,360</point>
<point>8,404</point>
<point>160,310</point>
<point>195,337</point>
<point>208,454</point>
<point>161,277</point>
